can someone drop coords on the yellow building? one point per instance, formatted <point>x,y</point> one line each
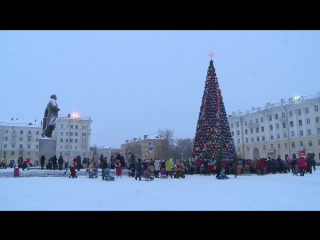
<point>147,147</point>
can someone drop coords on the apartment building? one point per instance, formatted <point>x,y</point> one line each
<point>22,139</point>
<point>146,147</point>
<point>289,129</point>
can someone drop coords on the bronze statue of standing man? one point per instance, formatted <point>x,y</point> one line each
<point>50,117</point>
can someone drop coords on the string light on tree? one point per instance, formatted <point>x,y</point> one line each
<point>213,138</point>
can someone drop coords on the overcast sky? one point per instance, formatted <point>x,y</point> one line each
<point>132,83</point>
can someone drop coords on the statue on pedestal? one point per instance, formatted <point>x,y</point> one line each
<point>50,117</point>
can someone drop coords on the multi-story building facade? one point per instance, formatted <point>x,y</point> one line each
<point>22,139</point>
<point>146,147</point>
<point>289,129</point>
<point>19,140</point>
<point>72,133</point>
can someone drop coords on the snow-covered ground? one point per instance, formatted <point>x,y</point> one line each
<point>272,192</point>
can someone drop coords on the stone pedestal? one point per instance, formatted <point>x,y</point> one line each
<point>47,147</point>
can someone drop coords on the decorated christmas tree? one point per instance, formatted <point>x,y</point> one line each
<point>213,138</point>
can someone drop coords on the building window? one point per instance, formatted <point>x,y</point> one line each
<point>263,138</point>
<point>84,134</point>
<point>37,139</point>
<point>264,147</point>
<point>257,120</point>
<point>76,126</point>
<point>284,125</point>
<point>292,134</point>
<point>301,132</point>
<point>12,153</point>
<point>257,130</point>
<point>278,136</point>
<point>252,139</point>
<point>71,140</point>
<point>28,153</point>
<point>306,110</point>
<point>247,149</point>
<point>67,140</point>
<point>61,133</point>
<point>28,146</point>
<point>21,131</point>
<point>238,132</point>
<point>318,130</point>
<point>20,145</point>
<point>6,138</point>
<point>308,132</point>
<point>299,112</point>
<point>261,119</point>
<point>310,143</point>
<point>270,118</point>
<point>29,139</point>
<point>277,126</point>
<point>285,145</point>
<point>290,113</point>
<point>276,116</point>
<point>271,137</point>
<point>246,140</point>
<point>76,140</point>
<point>318,143</point>
<point>238,140</point>
<point>300,122</point>
<point>13,145</point>
<point>61,125</point>
<point>71,134</point>
<point>251,130</point>
<point>317,120</point>
<point>237,124</point>
<point>271,145</point>
<point>279,146</point>
<point>84,141</point>
<point>271,127</point>
<point>246,131</point>
<point>258,139</point>
<point>283,115</point>
<point>291,123</point>
<point>5,145</point>
<point>21,138</point>
<point>301,143</point>
<point>245,123</point>
<point>76,134</point>
<point>285,135</point>
<point>308,120</point>
<point>71,126</point>
<point>37,146</point>
<point>6,131</point>
<point>293,144</point>
<point>316,108</point>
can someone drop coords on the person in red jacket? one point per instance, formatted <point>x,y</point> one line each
<point>301,164</point>
<point>262,166</point>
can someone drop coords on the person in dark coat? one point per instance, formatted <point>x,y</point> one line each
<point>309,164</point>
<point>54,162</point>
<point>78,163</point>
<point>60,162</point>
<point>42,160</point>
<point>138,169</point>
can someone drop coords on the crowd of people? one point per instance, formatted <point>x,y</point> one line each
<point>221,168</point>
